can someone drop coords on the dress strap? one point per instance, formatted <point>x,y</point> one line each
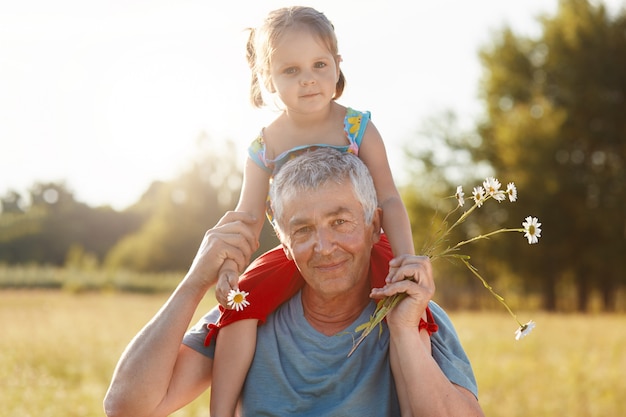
<point>355,124</point>
<point>256,152</point>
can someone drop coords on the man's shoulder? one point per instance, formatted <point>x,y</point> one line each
<point>448,351</point>
<point>446,328</point>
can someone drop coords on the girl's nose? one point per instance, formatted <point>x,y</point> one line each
<point>307,78</point>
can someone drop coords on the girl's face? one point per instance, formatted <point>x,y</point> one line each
<point>303,72</point>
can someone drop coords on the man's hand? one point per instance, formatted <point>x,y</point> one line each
<point>155,375</point>
<point>231,238</point>
<point>413,276</point>
<point>423,389</point>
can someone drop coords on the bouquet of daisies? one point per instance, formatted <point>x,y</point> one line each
<point>489,190</point>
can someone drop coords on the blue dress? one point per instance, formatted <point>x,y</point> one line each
<point>355,123</point>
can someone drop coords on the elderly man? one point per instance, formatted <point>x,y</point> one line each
<point>327,220</point>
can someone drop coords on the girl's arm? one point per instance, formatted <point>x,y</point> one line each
<point>395,217</point>
<point>251,200</point>
<point>236,343</point>
<point>253,197</point>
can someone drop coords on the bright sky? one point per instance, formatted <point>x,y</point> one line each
<point>109,95</point>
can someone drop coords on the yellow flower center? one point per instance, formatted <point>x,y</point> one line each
<point>238,298</point>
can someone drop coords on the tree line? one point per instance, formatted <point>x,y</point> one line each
<point>554,123</point>
<point>159,233</point>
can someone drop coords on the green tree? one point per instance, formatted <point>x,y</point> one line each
<point>555,125</point>
<point>182,210</point>
<point>439,160</point>
<point>11,202</point>
<point>44,231</point>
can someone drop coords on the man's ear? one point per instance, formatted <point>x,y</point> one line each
<point>287,252</point>
<point>377,222</point>
<point>284,246</point>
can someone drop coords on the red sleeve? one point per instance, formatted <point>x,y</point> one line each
<point>272,279</point>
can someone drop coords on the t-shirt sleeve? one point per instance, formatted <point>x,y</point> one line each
<point>355,125</point>
<point>448,352</point>
<point>195,337</point>
<point>446,347</point>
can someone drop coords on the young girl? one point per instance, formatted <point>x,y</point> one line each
<point>294,54</point>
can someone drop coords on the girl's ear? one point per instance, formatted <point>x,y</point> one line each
<point>265,82</point>
<point>339,60</point>
<point>269,85</point>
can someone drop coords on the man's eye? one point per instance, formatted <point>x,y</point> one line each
<point>339,222</point>
<point>302,230</point>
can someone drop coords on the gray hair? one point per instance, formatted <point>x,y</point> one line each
<point>313,169</point>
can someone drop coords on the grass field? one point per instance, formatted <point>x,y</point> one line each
<point>58,350</point>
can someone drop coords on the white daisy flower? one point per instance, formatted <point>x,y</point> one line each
<point>479,195</point>
<point>511,191</point>
<point>459,195</point>
<point>531,227</point>
<point>492,186</point>
<point>524,330</point>
<point>500,196</point>
<point>237,299</point>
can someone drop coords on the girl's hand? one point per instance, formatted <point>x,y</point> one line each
<point>227,279</point>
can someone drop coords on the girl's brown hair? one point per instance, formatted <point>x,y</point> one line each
<point>261,44</point>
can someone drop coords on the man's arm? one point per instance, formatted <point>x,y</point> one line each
<point>423,388</point>
<point>427,391</point>
<point>157,374</point>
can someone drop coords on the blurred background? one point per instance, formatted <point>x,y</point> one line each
<point>124,127</point>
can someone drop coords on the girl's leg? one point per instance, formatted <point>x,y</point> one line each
<point>234,350</point>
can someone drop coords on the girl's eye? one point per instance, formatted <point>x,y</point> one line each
<point>320,64</point>
<point>290,70</point>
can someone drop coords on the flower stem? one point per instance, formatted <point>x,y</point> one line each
<point>475,238</point>
<point>486,285</point>
<point>430,249</point>
<point>384,306</point>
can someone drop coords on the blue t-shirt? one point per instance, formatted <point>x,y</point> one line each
<point>299,371</point>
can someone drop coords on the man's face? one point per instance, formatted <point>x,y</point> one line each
<point>326,235</point>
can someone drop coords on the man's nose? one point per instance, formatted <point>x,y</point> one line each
<point>324,241</point>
